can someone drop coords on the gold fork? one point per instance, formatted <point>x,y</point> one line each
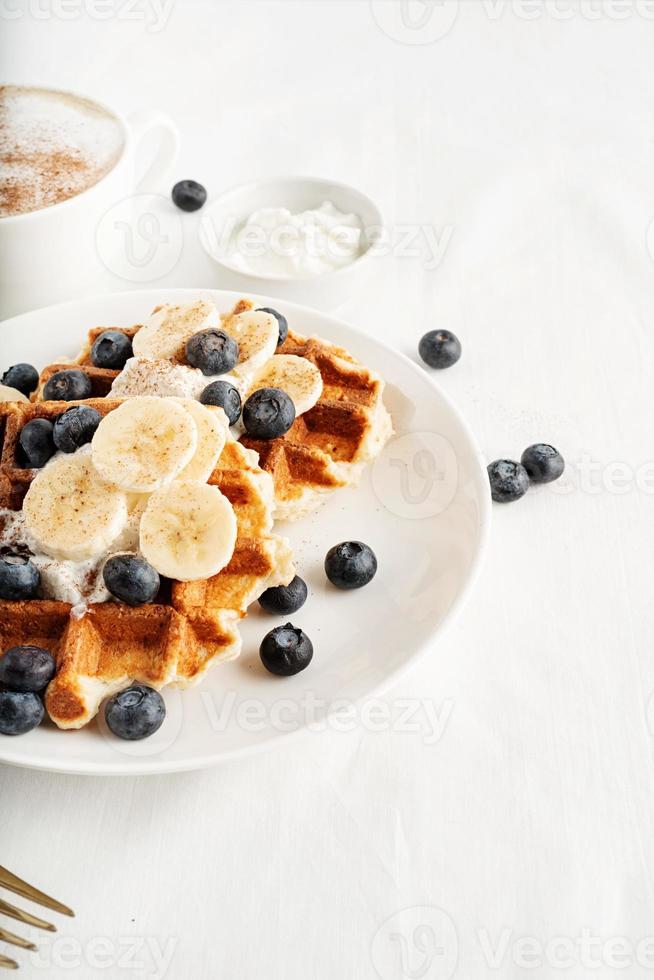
<point>20,887</point>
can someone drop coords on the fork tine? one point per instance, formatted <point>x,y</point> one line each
<point>20,887</point>
<point>26,917</point>
<point>11,937</point>
<point>7,963</point>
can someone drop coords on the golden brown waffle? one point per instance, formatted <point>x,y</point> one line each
<point>325,448</point>
<point>173,641</point>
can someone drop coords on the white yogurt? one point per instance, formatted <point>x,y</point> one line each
<point>275,242</point>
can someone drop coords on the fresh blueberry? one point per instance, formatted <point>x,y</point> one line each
<point>23,377</point>
<point>509,481</point>
<point>19,578</point>
<point>75,427</point>
<point>543,463</point>
<point>131,579</point>
<point>282,600</point>
<point>286,650</point>
<point>27,668</point>
<point>35,444</point>
<point>440,348</point>
<point>137,712</point>
<point>67,386</point>
<point>111,349</point>
<point>268,413</point>
<point>350,565</point>
<point>225,396</point>
<point>189,195</point>
<point>20,712</point>
<point>213,351</point>
<point>281,320</point>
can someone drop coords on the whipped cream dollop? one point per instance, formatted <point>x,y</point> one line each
<point>276,242</point>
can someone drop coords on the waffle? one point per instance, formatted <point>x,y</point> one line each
<point>326,447</point>
<point>191,626</point>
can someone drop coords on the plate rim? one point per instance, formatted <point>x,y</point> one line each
<point>197,763</point>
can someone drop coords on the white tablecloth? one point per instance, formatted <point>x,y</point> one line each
<point>514,823</point>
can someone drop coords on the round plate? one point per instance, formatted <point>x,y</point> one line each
<point>423,506</point>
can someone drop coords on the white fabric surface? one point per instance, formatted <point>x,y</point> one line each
<point>529,143</point>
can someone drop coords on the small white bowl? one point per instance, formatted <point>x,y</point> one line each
<point>226,213</point>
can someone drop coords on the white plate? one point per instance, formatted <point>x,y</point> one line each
<point>424,507</point>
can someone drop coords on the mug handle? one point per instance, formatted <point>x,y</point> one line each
<point>143,124</point>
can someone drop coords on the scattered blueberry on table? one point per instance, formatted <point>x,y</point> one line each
<point>188,195</point>
<point>281,321</point>
<point>111,349</point>
<point>212,351</point>
<point>135,713</point>
<point>75,427</point>
<point>67,386</point>
<point>23,377</point>
<point>35,444</point>
<point>350,565</point>
<point>224,395</point>
<point>131,579</point>
<point>508,480</point>
<point>282,600</point>
<point>286,650</point>
<point>542,462</point>
<point>268,413</point>
<point>19,577</point>
<point>440,349</point>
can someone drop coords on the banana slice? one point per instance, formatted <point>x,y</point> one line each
<point>8,394</point>
<point>144,443</point>
<point>164,334</point>
<point>297,376</point>
<point>256,334</point>
<point>71,512</point>
<point>188,531</point>
<point>212,432</point>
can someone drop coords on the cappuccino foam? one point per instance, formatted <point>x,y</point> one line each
<point>52,147</point>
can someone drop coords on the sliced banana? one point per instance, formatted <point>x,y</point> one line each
<point>71,512</point>
<point>256,334</point>
<point>8,394</point>
<point>212,432</point>
<point>144,443</point>
<point>164,334</point>
<point>188,531</point>
<point>297,376</point>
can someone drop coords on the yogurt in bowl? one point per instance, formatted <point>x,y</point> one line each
<point>299,237</point>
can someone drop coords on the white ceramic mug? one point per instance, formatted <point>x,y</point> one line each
<point>47,256</point>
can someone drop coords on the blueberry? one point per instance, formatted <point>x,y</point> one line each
<point>268,413</point>
<point>509,481</point>
<point>19,578</point>
<point>543,463</point>
<point>286,650</point>
<point>213,351</point>
<point>27,668</point>
<point>189,195</point>
<point>136,712</point>
<point>350,565</point>
<point>20,712</point>
<point>225,396</point>
<point>440,349</point>
<point>75,427</point>
<point>111,349</point>
<point>284,599</point>
<point>281,320</point>
<point>23,377</point>
<point>35,444</point>
<point>67,386</point>
<point>131,579</point>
